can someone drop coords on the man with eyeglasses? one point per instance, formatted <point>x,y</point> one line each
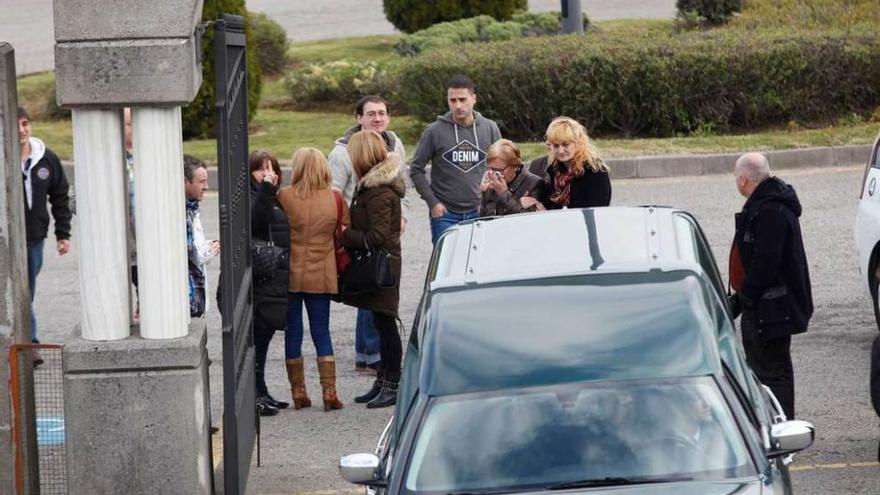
<point>371,113</point>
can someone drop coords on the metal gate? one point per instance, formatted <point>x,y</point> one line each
<point>239,412</point>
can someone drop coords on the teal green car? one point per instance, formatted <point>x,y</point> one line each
<point>580,350</point>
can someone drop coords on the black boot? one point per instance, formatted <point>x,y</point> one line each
<point>371,394</point>
<point>277,404</point>
<point>264,409</point>
<point>387,395</point>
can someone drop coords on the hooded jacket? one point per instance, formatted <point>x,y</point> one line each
<point>44,179</point>
<point>458,161</point>
<point>777,278</point>
<point>375,222</point>
<point>344,178</point>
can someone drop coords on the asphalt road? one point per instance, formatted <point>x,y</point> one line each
<point>300,449</point>
<point>27,25</point>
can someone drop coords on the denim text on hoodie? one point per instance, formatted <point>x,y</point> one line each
<point>458,161</point>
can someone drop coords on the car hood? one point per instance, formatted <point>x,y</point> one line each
<point>738,487</point>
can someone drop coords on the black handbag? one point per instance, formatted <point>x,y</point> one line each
<point>370,270</point>
<point>266,257</point>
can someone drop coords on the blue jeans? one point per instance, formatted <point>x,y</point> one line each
<point>366,338</point>
<point>318,308</point>
<point>35,263</point>
<point>450,219</point>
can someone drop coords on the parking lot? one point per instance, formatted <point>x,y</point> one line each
<point>300,449</point>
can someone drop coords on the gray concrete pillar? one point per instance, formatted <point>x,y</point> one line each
<point>14,306</point>
<point>140,420</point>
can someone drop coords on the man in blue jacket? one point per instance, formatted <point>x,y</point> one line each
<point>44,185</point>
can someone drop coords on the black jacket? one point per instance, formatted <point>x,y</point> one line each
<point>47,181</point>
<point>777,278</point>
<point>269,222</point>
<point>589,190</point>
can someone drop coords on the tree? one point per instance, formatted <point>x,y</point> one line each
<point>410,16</point>
<point>199,117</point>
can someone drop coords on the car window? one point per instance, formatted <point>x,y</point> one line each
<point>690,235</point>
<point>876,156</point>
<point>646,430</point>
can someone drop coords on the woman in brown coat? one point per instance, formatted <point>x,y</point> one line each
<point>375,224</point>
<point>311,209</point>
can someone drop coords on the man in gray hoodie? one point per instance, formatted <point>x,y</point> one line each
<point>371,113</point>
<point>456,145</point>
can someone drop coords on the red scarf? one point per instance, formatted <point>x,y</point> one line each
<point>562,177</point>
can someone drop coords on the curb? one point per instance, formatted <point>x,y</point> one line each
<point>659,166</point>
<point>652,167</point>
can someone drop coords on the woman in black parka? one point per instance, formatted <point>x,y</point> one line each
<point>268,223</point>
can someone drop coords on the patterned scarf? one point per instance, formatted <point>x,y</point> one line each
<point>562,177</point>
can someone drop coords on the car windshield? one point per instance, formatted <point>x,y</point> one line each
<point>638,430</point>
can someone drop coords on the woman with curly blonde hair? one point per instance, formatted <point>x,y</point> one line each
<point>575,175</point>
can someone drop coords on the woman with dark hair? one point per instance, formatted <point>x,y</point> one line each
<point>375,224</point>
<point>269,224</point>
<point>575,176</point>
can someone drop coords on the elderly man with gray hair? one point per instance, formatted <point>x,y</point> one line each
<point>768,271</point>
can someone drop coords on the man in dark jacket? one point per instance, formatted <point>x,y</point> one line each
<point>775,293</point>
<point>43,178</point>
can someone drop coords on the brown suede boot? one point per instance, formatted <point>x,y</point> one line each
<point>327,370</point>
<point>296,376</point>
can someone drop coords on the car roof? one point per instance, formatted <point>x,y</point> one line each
<point>563,242</point>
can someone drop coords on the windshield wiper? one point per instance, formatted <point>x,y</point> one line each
<point>612,481</point>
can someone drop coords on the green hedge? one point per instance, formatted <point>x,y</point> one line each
<point>656,85</point>
<point>715,12</point>
<point>480,28</point>
<point>271,43</point>
<point>410,16</point>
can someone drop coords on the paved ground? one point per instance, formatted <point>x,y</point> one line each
<point>27,25</point>
<point>300,448</point>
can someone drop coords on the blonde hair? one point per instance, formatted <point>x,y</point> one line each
<point>568,130</point>
<point>311,172</point>
<point>507,151</point>
<point>366,149</point>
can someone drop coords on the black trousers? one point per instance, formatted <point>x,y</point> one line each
<point>770,359</point>
<point>262,338</point>
<point>390,347</point>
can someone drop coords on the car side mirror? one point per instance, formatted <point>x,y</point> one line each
<point>361,469</point>
<point>789,437</point>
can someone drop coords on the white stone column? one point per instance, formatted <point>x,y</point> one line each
<point>101,218</point>
<point>161,222</point>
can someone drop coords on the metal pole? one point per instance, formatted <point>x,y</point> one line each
<point>161,222</point>
<point>103,256</point>
<point>572,17</point>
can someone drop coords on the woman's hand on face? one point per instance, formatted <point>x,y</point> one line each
<point>497,182</point>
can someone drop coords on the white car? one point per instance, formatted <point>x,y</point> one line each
<point>868,227</point>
